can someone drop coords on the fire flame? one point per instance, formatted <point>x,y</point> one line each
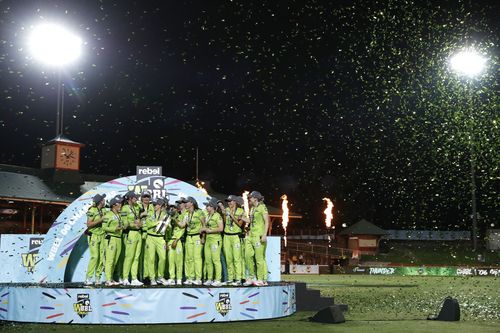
<point>200,185</point>
<point>328,212</point>
<point>246,208</point>
<point>284,216</point>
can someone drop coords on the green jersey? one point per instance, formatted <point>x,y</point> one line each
<point>257,221</point>
<point>213,221</point>
<point>178,232</point>
<point>93,214</point>
<point>111,221</point>
<point>130,213</point>
<point>150,210</point>
<point>230,226</point>
<point>153,220</point>
<point>194,221</point>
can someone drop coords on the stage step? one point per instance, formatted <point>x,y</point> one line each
<point>310,299</point>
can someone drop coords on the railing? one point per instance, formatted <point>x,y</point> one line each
<point>323,250</point>
<point>278,231</point>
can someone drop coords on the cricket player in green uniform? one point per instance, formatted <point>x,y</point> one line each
<point>174,245</point>
<point>233,227</point>
<point>255,242</point>
<point>203,239</point>
<point>133,245</point>
<point>147,210</point>
<point>194,221</point>
<point>213,244</point>
<point>113,226</point>
<point>155,241</point>
<point>96,239</point>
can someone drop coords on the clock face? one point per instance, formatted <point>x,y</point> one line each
<point>68,157</point>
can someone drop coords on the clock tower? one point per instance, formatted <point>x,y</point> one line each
<point>61,158</point>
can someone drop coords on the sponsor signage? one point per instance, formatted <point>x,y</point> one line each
<point>428,271</point>
<point>150,178</point>
<point>304,269</point>
<point>82,306</point>
<point>223,306</point>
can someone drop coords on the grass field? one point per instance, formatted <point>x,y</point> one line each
<point>376,304</point>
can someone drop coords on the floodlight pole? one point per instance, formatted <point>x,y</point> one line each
<point>472,159</point>
<point>60,102</point>
<point>473,191</point>
<point>466,58</point>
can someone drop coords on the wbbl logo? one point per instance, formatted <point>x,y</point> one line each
<point>82,306</point>
<point>31,258</point>
<point>224,304</point>
<point>149,178</point>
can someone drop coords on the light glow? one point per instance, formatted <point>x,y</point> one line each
<point>54,45</point>
<point>468,62</point>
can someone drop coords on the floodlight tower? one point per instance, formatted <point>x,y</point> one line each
<point>56,47</point>
<point>470,64</point>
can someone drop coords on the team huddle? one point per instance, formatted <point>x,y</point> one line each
<point>138,240</point>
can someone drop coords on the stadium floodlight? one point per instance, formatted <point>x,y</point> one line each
<point>54,45</point>
<point>468,62</point>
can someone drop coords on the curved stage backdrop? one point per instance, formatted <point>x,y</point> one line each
<point>62,254</point>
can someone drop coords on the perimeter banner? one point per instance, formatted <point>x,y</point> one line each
<point>145,306</point>
<point>423,271</point>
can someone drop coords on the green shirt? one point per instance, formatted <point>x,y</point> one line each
<point>150,209</point>
<point>93,214</point>
<point>153,220</point>
<point>194,221</point>
<point>111,222</point>
<point>257,221</point>
<point>129,215</point>
<point>212,224</point>
<point>178,232</point>
<point>230,226</point>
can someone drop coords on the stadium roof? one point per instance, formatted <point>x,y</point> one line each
<point>35,185</point>
<point>363,227</point>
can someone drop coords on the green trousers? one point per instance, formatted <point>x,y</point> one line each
<point>97,246</point>
<point>232,253</point>
<point>212,258</point>
<point>243,261</point>
<point>113,250</point>
<point>193,261</point>
<point>143,260</point>
<point>175,260</point>
<point>255,252</point>
<point>133,249</point>
<point>156,246</point>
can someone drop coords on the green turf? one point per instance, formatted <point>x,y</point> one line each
<point>408,297</point>
<point>377,304</point>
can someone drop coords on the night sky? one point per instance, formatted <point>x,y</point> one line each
<point>351,100</point>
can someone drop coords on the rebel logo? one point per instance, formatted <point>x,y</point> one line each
<point>149,178</point>
<point>148,171</point>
